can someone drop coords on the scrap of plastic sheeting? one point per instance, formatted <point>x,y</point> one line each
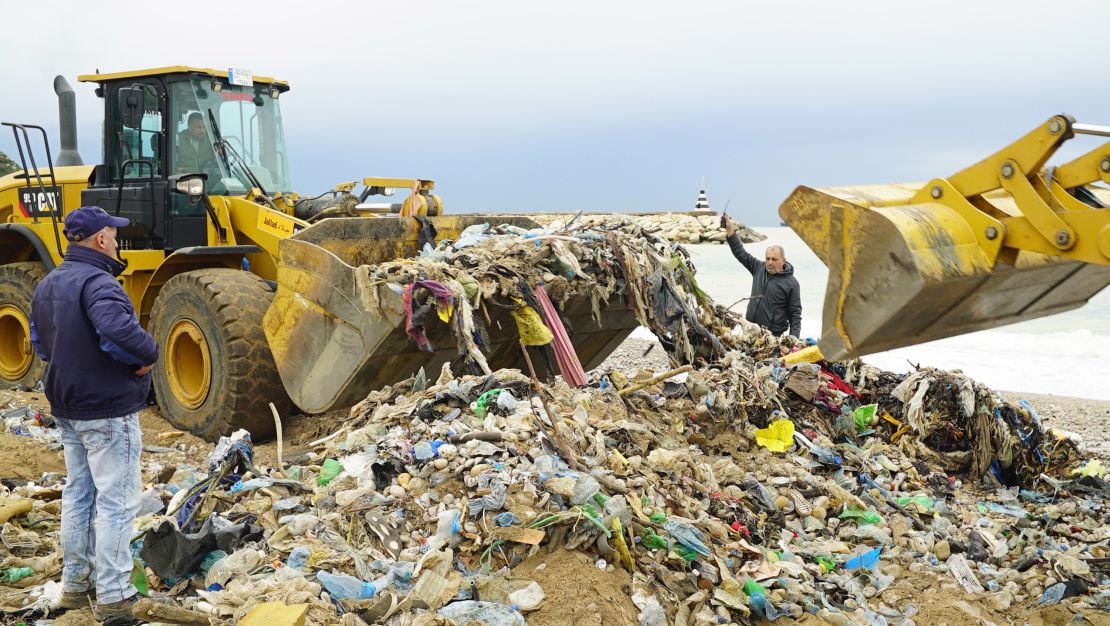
<point>868,560</point>
<point>471,235</point>
<point>961,571</point>
<point>489,613</point>
<point>1092,467</point>
<point>687,535</point>
<point>777,437</point>
<point>864,416</point>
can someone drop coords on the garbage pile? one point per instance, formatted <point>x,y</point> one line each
<point>750,482</point>
<point>534,272</point>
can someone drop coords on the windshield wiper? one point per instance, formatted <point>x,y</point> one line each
<point>227,148</point>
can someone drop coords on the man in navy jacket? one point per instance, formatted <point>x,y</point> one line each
<point>97,379</point>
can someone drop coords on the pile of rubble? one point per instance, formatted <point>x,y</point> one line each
<point>733,488</point>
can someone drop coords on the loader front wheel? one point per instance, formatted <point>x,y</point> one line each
<point>19,365</point>
<point>215,373</point>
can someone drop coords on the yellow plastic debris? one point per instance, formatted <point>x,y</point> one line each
<point>777,437</point>
<point>13,507</point>
<point>1092,468</point>
<point>811,354</point>
<point>275,614</point>
<point>532,330</point>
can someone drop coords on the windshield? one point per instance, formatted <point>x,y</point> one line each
<point>234,135</point>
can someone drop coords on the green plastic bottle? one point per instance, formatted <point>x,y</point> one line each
<point>16,574</point>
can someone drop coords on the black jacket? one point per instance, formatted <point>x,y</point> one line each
<point>81,316</point>
<point>776,302</point>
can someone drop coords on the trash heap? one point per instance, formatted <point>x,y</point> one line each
<point>751,482</point>
<point>532,273</point>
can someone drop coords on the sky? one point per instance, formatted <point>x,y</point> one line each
<point>517,106</point>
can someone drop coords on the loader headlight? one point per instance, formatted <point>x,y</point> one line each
<point>191,185</point>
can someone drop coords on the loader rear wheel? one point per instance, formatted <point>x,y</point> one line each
<point>215,372</point>
<point>19,365</point>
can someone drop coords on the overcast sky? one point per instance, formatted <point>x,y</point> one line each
<point>624,106</point>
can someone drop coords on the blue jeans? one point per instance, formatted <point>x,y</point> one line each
<point>99,504</point>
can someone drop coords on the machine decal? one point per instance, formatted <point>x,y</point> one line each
<point>275,223</point>
<point>34,203</point>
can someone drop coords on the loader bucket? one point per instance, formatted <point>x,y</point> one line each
<point>331,351</point>
<point>903,274</point>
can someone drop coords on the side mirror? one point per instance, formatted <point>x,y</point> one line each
<point>191,185</point>
<point>130,101</point>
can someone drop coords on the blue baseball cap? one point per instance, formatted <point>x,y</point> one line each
<point>89,220</point>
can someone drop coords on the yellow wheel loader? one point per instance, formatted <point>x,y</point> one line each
<point>1007,239</point>
<point>249,289</point>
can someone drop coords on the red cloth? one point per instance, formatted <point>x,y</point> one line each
<point>837,383</point>
<point>565,356</point>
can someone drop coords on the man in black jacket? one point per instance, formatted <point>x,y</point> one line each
<point>776,302</point>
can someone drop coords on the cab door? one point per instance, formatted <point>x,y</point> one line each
<point>132,183</point>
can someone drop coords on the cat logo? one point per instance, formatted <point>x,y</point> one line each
<point>274,223</point>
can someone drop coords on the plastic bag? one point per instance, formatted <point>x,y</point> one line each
<point>328,472</point>
<point>777,437</point>
<point>527,599</point>
<point>489,613</point>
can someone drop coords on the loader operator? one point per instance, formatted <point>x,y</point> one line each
<point>194,151</point>
<point>775,303</point>
<point>97,379</point>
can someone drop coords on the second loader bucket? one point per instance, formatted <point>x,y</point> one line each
<point>903,273</point>
<point>331,351</point>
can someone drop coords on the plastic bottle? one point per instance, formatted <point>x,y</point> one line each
<point>344,587</point>
<point>447,526</point>
<point>16,574</point>
<point>687,535</point>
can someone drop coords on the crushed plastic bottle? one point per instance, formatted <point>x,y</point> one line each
<point>15,574</point>
<point>687,535</point>
<point>344,587</point>
<point>447,526</point>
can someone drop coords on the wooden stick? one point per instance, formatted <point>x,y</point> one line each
<point>539,390</point>
<point>556,435</point>
<point>654,379</point>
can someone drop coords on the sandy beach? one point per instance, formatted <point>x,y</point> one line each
<point>1083,417</point>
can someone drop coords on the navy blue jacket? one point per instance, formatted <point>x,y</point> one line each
<point>776,302</point>
<point>85,328</point>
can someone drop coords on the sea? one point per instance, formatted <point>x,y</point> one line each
<point>1066,354</point>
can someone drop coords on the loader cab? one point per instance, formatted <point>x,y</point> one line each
<point>163,124</point>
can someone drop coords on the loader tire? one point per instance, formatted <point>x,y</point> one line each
<point>20,366</point>
<point>215,373</point>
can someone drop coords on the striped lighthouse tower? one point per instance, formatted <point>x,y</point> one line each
<point>703,200</point>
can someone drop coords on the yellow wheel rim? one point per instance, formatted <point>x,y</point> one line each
<point>16,354</point>
<point>188,366</point>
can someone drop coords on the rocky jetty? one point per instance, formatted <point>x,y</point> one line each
<point>683,228</point>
